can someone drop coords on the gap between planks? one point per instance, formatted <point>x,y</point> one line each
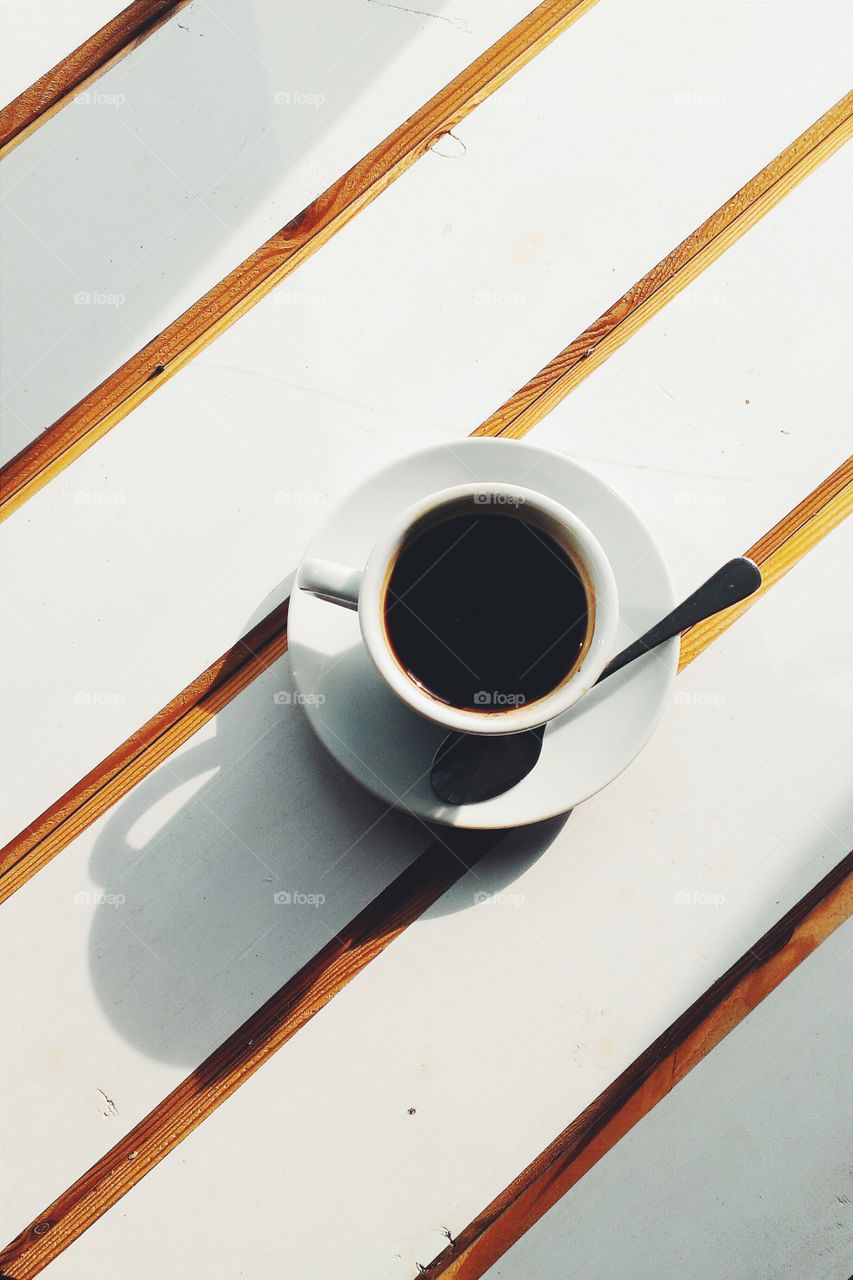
<point>372,930</point>
<point>86,64</point>
<point>233,296</point>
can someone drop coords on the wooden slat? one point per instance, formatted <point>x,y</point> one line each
<point>672,274</point>
<point>86,64</point>
<point>312,988</point>
<point>139,376</point>
<point>650,1077</point>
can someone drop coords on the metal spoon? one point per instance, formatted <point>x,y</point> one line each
<point>469,767</point>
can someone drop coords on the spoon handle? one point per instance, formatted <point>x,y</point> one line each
<point>732,583</point>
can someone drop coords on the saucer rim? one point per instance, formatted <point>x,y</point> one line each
<point>463,817</point>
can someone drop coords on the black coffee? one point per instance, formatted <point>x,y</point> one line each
<point>486,611</point>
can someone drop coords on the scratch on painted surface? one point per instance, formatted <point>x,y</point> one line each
<point>448,146</point>
<point>108,1107</point>
<point>459,23</point>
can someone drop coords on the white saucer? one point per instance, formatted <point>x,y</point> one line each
<point>389,748</point>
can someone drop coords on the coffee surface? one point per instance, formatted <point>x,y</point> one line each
<point>485,611</point>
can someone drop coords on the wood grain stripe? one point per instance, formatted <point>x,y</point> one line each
<point>139,376</point>
<point>649,1078</point>
<point>81,68</point>
<point>84,803</point>
<point>643,300</point>
<point>329,972</point>
<point>779,550</point>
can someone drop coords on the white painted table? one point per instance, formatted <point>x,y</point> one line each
<point>142,927</point>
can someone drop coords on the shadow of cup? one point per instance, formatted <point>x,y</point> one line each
<point>238,858</point>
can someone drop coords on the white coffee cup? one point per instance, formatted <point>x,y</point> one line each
<point>364,590</point>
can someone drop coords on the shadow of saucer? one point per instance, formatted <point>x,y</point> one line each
<point>507,855</point>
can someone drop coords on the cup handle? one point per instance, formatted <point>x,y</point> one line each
<point>333,582</point>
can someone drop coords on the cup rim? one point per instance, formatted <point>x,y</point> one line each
<point>588,554</point>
